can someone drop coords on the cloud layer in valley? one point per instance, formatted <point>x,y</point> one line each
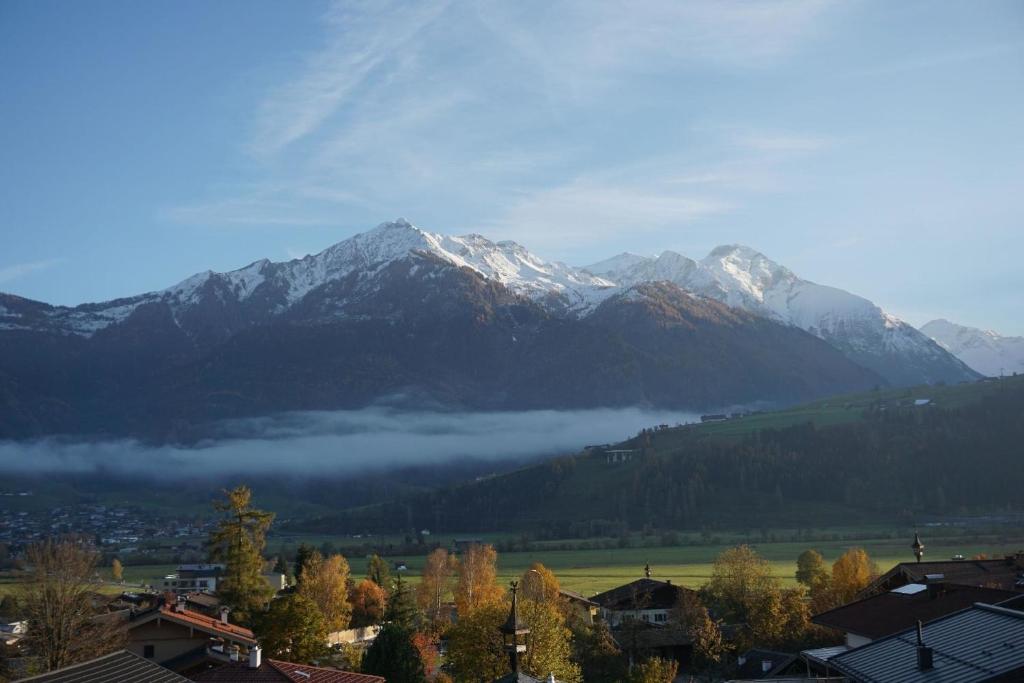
<point>335,444</point>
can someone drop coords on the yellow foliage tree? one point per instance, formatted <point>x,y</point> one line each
<point>477,579</point>
<point>435,584</point>
<point>476,651</point>
<point>325,583</point>
<point>851,574</point>
<point>540,584</point>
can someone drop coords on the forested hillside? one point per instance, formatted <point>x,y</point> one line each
<point>894,461</point>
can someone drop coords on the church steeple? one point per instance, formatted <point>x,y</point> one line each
<point>512,630</point>
<point>918,547</point>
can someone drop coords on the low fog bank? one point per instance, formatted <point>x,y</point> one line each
<point>332,444</point>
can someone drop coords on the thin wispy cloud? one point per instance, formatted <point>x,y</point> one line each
<point>405,104</point>
<point>362,36</point>
<point>17,271</point>
<point>593,211</point>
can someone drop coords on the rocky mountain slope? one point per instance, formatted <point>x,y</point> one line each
<point>448,321</point>
<point>744,278</point>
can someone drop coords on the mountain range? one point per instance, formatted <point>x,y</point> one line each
<point>402,314</point>
<point>985,351</point>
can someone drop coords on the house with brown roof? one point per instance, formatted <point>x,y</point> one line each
<point>877,616</point>
<point>1005,573</point>
<point>258,670</point>
<point>185,640</point>
<point>644,600</point>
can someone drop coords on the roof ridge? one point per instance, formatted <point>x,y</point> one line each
<point>1005,611</point>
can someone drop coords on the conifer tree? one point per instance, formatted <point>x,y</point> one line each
<point>378,571</point>
<point>302,556</point>
<point>293,629</point>
<point>238,541</point>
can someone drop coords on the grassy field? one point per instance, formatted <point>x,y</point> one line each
<point>833,411</point>
<point>593,571</point>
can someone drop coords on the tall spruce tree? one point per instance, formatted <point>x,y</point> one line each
<point>393,654</point>
<point>238,541</point>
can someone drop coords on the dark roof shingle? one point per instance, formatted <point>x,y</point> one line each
<point>276,671</point>
<point>887,613</point>
<point>981,643</point>
<point>641,594</point>
<point>118,667</point>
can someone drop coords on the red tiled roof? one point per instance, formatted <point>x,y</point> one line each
<point>275,671</point>
<point>204,623</point>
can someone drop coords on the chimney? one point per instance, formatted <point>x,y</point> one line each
<point>551,678</point>
<point>179,604</point>
<point>924,653</point>
<point>224,609</point>
<point>255,657</point>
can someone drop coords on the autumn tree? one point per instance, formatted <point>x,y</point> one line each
<point>538,583</point>
<point>693,618</point>
<point>744,590</point>
<point>477,578</point>
<point>654,670</point>
<point>293,629</point>
<point>368,602</point>
<point>325,583</point>
<point>63,628</point>
<point>851,573</point>
<point>738,579</point>
<point>116,570</point>
<point>238,541</point>
<point>810,568</point>
<point>435,584</point>
<point>476,650</point>
<point>598,655</point>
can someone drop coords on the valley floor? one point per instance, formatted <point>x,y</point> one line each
<point>592,570</point>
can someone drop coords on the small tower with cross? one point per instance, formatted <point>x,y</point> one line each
<point>918,547</point>
<point>513,630</point>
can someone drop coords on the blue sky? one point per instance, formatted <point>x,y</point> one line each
<point>874,146</point>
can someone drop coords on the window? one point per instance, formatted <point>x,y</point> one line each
<point>660,617</point>
<point>149,651</point>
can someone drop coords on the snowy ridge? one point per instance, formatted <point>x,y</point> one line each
<point>733,274</point>
<point>985,351</point>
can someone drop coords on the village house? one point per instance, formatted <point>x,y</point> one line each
<point>184,640</point>
<point>644,600</point>
<point>877,616</point>
<point>981,643</point>
<point>193,577</point>
<point>586,608</point>
<point>117,667</point>
<point>1006,573</point>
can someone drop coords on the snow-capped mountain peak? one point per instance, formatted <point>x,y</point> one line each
<point>986,351</point>
<point>346,272</point>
